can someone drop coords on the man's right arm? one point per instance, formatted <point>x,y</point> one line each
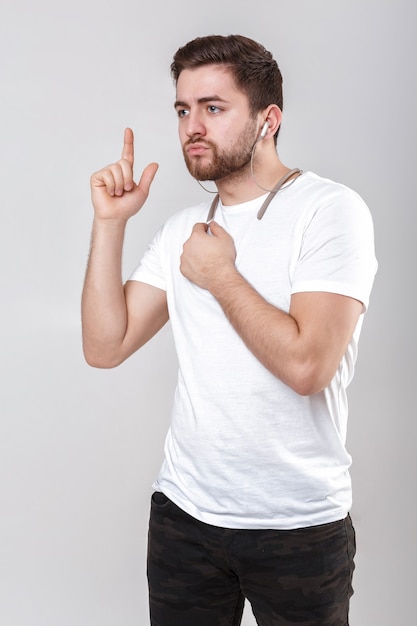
<point>117,319</point>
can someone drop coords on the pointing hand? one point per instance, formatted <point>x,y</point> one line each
<point>114,193</point>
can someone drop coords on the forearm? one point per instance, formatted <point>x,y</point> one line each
<point>104,316</point>
<point>283,342</point>
<point>267,331</point>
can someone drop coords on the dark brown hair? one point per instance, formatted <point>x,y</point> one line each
<point>254,69</point>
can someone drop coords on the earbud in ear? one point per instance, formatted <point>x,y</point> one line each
<point>264,130</point>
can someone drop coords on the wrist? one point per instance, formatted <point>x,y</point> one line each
<point>109,223</point>
<point>225,278</point>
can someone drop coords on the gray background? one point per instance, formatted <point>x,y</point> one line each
<point>79,447</point>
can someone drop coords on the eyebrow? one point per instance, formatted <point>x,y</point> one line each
<point>180,103</point>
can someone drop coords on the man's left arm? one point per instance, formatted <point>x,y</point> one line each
<point>303,347</point>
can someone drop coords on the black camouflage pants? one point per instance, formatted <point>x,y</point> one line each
<point>200,575</point>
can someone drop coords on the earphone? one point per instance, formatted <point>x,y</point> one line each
<point>263,131</point>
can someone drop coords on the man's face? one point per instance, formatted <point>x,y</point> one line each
<point>216,129</point>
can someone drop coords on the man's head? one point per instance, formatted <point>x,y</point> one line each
<point>253,68</point>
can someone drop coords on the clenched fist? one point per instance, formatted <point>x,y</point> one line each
<point>208,255</point>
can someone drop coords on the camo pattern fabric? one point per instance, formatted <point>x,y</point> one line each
<point>200,575</point>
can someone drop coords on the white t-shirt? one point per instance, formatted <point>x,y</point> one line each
<point>243,449</point>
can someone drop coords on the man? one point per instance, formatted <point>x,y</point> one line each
<point>266,303</point>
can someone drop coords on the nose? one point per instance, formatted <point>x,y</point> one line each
<point>194,126</point>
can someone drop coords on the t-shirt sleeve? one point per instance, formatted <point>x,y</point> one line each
<point>336,252</point>
<point>150,268</point>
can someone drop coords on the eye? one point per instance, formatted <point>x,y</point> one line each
<point>213,109</point>
<point>182,112</point>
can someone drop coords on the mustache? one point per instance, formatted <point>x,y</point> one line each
<point>198,140</point>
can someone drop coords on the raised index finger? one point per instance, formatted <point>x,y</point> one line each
<point>128,152</point>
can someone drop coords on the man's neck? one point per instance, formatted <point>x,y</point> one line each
<point>245,186</point>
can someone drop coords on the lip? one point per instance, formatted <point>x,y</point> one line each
<point>197,149</point>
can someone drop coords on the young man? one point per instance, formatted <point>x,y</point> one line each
<point>266,296</point>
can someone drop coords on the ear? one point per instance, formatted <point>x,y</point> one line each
<point>273,115</point>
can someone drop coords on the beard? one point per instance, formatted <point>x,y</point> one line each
<point>223,163</point>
